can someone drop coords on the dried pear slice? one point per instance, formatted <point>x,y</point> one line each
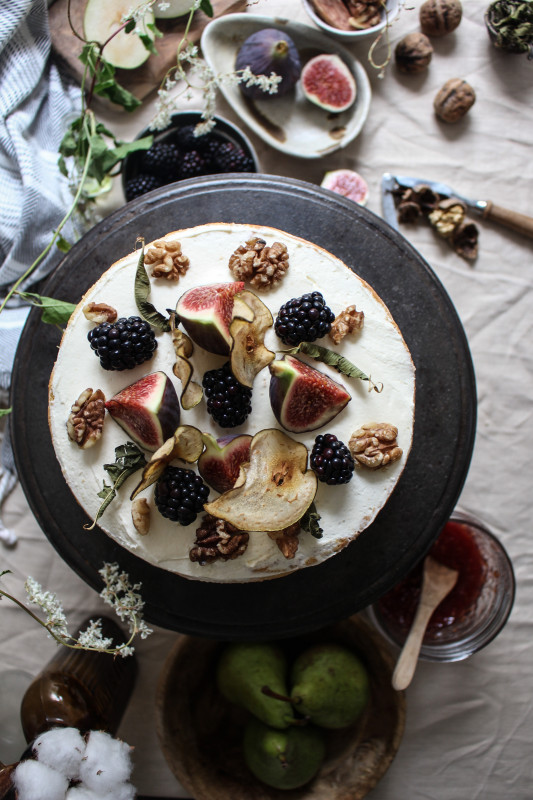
<point>274,489</point>
<point>248,355</point>
<point>191,392</point>
<point>186,444</point>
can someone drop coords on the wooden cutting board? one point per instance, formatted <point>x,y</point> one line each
<point>145,79</point>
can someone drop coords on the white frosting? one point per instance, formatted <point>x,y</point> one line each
<point>379,350</point>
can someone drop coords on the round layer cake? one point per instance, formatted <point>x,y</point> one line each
<point>377,349</point>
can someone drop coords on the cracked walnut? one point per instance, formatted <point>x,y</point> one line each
<point>264,266</point>
<point>166,260</point>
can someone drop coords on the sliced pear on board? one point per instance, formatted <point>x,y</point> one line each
<point>103,17</point>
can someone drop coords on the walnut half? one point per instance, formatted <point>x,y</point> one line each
<point>262,265</point>
<point>86,420</point>
<point>217,539</point>
<point>287,539</point>
<point>348,321</point>
<point>374,445</point>
<point>166,260</point>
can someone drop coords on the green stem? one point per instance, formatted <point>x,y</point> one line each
<point>63,222</point>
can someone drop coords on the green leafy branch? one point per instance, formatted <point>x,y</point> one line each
<point>128,459</point>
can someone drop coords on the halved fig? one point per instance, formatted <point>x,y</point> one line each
<point>302,397</point>
<point>220,462</point>
<point>327,82</point>
<point>248,355</point>
<point>148,410</point>
<point>206,312</point>
<point>274,489</point>
<point>186,444</point>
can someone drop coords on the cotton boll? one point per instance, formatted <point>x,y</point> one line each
<point>62,749</point>
<point>36,781</point>
<point>107,761</point>
<point>82,793</point>
<point>122,791</point>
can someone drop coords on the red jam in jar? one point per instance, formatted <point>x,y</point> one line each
<point>456,548</point>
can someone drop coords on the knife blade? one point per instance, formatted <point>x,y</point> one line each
<point>485,208</point>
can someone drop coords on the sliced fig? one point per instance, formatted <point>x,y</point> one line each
<point>327,82</point>
<point>347,183</point>
<point>266,51</point>
<point>248,352</point>
<point>148,410</point>
<point>206,313</point>
<point>220,463</point>
<point>274,488</point>
<point>302,397</point>
<point>186,444</point>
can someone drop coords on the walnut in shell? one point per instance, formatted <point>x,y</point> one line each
<point>453,100</point>
<point>86,419</point>
<point>413,53</point>
<point>439,17</point>
<point>374,445</point>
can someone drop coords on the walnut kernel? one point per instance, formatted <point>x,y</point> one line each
<point>261,265</point>
<point>364,13</point>
<point>140,515</point>
<point>374,445</point>
<point>99,312</point>
<point>448,215</point>
<point>453,100</point>
<point>166,260</point>
<point>217,539</point>
<point>413,53</point>
<point>439,17</point>
<point>287,539</point>
<point>86,420</point>
<point>346,322</point>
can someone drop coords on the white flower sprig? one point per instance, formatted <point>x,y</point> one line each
<point>118,592</point>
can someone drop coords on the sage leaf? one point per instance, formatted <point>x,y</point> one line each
<point>54,312</point>
<point>128,459</point>
<point>142,293</point>
<point>309,522</point>
<point>207,8</point>
<point>335,360</point>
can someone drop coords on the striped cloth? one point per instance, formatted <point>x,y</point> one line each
<point>37,103</point>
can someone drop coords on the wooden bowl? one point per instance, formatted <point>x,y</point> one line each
<point>200,733</point>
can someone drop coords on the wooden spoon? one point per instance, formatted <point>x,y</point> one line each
<point>437,582</point>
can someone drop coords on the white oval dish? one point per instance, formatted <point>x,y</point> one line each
<point>289,123</point>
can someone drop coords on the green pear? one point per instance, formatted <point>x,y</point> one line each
<point>283,759</point>
<point>245,669</point>
<point>330,685</point>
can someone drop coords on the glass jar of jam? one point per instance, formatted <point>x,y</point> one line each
<point>475,610</point>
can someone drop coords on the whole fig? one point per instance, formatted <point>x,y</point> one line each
<point>266,51</point>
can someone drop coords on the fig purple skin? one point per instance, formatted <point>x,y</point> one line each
<point>265,51</point>
<point>328,83</point>
<point>220,463</point>
<point>148,410</point>
<point>206,313</point>
<point>303,398</point>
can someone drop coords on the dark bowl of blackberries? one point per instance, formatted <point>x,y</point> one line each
<point>177,154</point>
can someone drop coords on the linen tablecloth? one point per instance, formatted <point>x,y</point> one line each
<point>469,724</point>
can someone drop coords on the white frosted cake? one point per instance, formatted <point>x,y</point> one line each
<point>375,346</point>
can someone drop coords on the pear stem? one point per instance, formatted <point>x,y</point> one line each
<point>271,693</point>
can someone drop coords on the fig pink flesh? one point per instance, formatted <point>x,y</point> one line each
<point>206,313</point>
<point>327,81</point>
<point>221,461</point>
<point>302,397</point>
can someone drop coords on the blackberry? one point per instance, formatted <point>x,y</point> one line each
<point>331,460</point>
<point>186,139</point>
<point>141,184</point>
<point>162,159</point>
<point>123,344</point>
<point>180,495</point>
<point>303,319</point>
<point>230,158</point>
<point>228,401</point>
<point>192,164</point>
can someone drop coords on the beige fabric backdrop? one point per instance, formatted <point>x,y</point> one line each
<point>469,724</point>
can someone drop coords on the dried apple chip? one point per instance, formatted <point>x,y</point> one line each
<point>186,444</point>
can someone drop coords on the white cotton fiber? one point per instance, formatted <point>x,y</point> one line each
<point>107,761</point>
<point>62,749</point>
<point>35,781</point>
<point>121,791</point>
<point>82,793</point>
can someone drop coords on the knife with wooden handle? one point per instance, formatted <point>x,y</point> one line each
<point>485,208</point>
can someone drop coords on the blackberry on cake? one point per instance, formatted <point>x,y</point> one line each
<point>228,401</point>
<point>141,184</point>
<point>304,319</point>
<point>331,460</point>
<point>180,495</point>
<point>123,344</point>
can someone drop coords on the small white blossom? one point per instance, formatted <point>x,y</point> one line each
<point>48,602</point>
<point>92,637</point>
<point>137,13</point>
<point>125,600</point>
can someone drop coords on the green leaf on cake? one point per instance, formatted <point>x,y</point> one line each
<point>142,292</point>
<point>55,312</point>
<point>128,459</point>
<point>309,522</point>
<point>335,360</point>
